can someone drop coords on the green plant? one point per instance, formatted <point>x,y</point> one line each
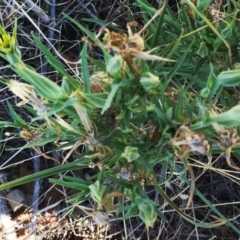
<point>146,109</point>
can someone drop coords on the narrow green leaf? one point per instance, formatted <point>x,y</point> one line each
<point>160,214</point>
<point>148,7</point>
<point>179,63</point>
<point>97,100</point>
<point>74,179</point>
<point>203,50</point>
<point>55,63</point>
<point>114,88</point>
<point>85,30</point>
<point>74,185</point>
<point>97,191</point>
<point>57,107</point>
<point>85,71</point>
<point>7,124</point>
<point>78,164</point>
<point>203,4</point>
<point>131,210</point>
<point>16,117</point>
<point>41,142</point>
<point>211,78</point>
<point>157,33</point>
<point>43,86</point>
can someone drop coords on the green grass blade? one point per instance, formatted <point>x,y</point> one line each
<point>85,71</point>
<point>157,32</point>
<point>179,63</point>
<point>79,164</point>
<point>55,63</point>
<point>16,117</point>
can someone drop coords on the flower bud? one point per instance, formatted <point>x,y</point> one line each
<point>150,81</point>
<point>114,67</point>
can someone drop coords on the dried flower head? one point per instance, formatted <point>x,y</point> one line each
<point>188,141</point>
<point>83,115</point>
<point>228,138</point>
<point>129,47</point>
<point>27,94</point>
<point>132,45</point>
<point>99,81</point>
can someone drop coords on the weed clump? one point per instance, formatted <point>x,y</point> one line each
<point>155,112</point>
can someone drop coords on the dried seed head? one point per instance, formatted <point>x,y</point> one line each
<point>188,141</point>
<point>197,143</point>
<point>128,46</point>
<point>28,135</point>
<point>83,115</point>
<point>27,94</point>
<point>228,137</point>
